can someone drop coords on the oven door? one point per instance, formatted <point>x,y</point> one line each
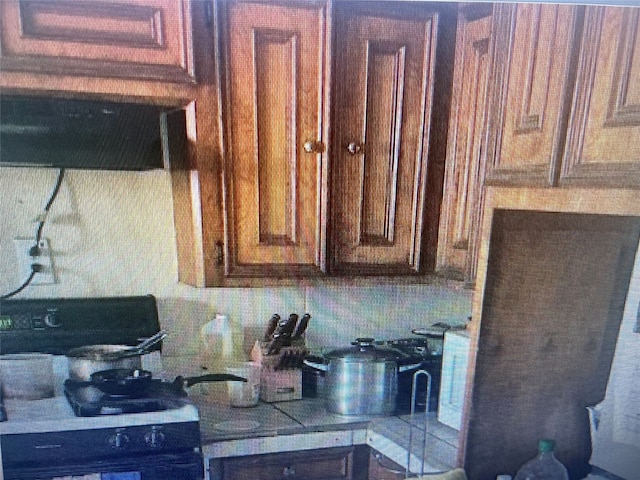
<point>175,466</point>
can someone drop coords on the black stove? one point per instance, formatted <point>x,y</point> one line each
<point>81,431</point>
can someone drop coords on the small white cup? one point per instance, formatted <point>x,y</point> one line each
<point>244,394</point>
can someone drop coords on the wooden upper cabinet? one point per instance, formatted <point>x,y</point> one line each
<point>141,39</point>
<point>461,213</point>
<point>603,143</point>
<point>275,71</point>
<point>384,70</point>
<point>530,94</point>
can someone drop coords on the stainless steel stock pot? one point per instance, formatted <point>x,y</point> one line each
<point>362,379</point>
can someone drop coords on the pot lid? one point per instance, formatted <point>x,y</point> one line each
<point>97,353</point>
<point>363,350</point>
<point>436,330</point>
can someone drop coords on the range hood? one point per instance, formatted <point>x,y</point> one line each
<point>81,134</point>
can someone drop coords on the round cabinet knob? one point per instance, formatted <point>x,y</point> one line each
<point>154,438</point>
<point>313,146</point>
<point>354,148</point>
<point>289,472</point>
<point>118,440</point>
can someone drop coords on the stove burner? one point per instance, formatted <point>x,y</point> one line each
<point>88,401</point>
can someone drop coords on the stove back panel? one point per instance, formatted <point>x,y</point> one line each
<point>57,325</point>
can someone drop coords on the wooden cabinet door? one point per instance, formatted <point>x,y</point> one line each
<point>461,212</point>
<point>530,92</point>
<point>382,468</point>
<point>275,67</point>
<point>145,39</point>
<point>603,144</point>
<point>348,463</point>
<point>383,95</point>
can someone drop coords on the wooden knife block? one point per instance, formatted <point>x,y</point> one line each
<point>277,383</point>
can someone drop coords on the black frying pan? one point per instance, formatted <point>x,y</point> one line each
<point>136,382</point>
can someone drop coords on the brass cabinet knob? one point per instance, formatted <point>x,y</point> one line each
<point>313,146</point>
<point>354,148</point>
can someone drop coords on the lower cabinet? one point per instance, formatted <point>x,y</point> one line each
<point>382,468</point>
<point>342,463</point>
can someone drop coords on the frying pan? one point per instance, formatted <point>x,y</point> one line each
<point>135,382</point>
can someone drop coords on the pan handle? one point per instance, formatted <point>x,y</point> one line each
<point>211,377</point>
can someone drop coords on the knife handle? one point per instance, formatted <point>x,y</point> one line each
<point>290,325</point>
<point>302,326</point>
<point>271,327</point>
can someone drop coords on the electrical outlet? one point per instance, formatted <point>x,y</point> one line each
<point>25,260</point>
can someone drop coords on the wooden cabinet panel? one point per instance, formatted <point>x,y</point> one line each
<point>464,175</point>
<point>545,326</point>
<point>530,91</point>
<point>275,97</point>
<point>347,463</point>
<point>383,98</point>
<point>382,468</point>
<point>145,39</point>
<point>603,146</point>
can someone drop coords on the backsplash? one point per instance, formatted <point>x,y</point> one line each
<point>338,314</point>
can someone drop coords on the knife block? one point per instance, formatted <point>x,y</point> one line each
<point>278,382</point>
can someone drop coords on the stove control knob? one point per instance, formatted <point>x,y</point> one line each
<point>118,440</point>
<point>51,319</point>
<point>154,438</point>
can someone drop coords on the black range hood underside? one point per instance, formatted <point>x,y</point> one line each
<point>61,133</point>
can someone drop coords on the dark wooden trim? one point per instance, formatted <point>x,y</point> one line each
<point>96,68</point>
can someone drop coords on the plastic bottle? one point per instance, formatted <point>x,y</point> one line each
<point>543,467</point>
<point>217,342</point>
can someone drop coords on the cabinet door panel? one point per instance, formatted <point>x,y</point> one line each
<point>603,146</point>
<point>146,39</point>
<point>384,70</point>
<point>275,104</point>
<point>464,175</point>
<point>531,89</point>
<point>323,464</point>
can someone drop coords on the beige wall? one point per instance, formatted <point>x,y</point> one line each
<point>112,234</point>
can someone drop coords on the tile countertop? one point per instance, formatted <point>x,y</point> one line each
<point>306,424</point>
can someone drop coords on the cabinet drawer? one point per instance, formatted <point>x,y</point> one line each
<point>382,468</point>
<point>329,464</point>
<point>145,39</point>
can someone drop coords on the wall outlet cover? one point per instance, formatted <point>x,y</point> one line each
<point>25,260</point>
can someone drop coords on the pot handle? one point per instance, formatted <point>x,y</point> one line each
<point>316,362</point>
<point>410,366</point>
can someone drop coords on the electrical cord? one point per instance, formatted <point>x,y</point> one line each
<point>35,250</point>
<point>35,268</point>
